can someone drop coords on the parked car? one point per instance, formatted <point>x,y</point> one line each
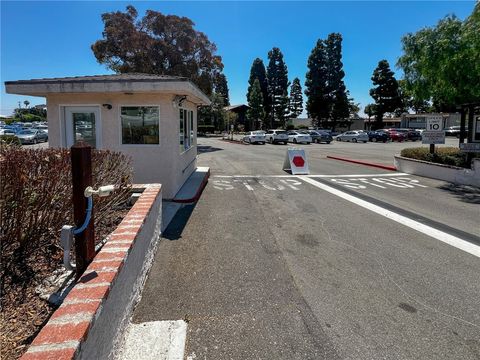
<point>375,136</point>
<point>353,136</point>
<point>32,136</point>
<point>453,131</point>
<point>255,137</point>
<point>324,130</point>
<point>394,135</point>
<point>41,127</point>
<point>276,136</point>
<point>319,136</point>
<point>14,129</point>
<point>299,137</point>
<point>6,131</point>
<point>410,134</point>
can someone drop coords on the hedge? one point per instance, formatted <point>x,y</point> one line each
<point>36,201</point>
<point>443,155</point>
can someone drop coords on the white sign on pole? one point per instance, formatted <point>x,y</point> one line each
<point>470,147</point>
<point>434,133</point>
<point>434,123</point>
<point>296,161</point>
<point>433,137</point>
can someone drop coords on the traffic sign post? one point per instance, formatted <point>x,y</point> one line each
<point>296,161</point>
<point>433,133</point>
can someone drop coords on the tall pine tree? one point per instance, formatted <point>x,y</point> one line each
<point>339,104</point>
<point>257,71</point>
<point>277,79</point>
<point>221,88</point>
<point>255,113</point>
<point>316,84</point>
<point>385,92</point>
<point>295,103</point>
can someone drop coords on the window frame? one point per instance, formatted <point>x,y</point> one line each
<point>119,109</point>
<point>188,122</point>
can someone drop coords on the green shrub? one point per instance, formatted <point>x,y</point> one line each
<point>32,118</point>
<point>443,155</point>
<point>9,140</point>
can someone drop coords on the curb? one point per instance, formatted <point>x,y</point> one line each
<point>90,303</point>
<point>366,163</point>
<point>198,193</point>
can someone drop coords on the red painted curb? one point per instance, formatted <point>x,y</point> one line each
<point>366,163</point>
<point>198,194</point>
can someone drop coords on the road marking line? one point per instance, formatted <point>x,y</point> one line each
<point>310,176</point>
<point>425,229</point>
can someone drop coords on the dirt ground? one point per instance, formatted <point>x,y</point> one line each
<point>23,312</point>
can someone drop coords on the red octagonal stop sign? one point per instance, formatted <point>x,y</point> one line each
<point>298,161</point>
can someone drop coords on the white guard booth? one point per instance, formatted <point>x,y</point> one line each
<point>151,118</point>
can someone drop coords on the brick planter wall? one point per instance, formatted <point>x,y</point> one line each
<point>91,319</point>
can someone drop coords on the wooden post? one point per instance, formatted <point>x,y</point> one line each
<point>81,154</point>
<point>471,130</point>
<point>432,148</point>
<point>462,126</point>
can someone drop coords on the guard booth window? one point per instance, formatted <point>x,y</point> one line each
<point>186,130</point>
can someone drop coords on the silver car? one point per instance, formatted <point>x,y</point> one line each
<point>32,136</point>
<point>353,136</point>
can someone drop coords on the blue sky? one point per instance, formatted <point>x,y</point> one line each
<point>52,39</point>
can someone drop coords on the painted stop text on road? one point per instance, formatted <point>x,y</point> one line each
<point>254,182</point>
<point>380,182</point>
<point>281,183</point>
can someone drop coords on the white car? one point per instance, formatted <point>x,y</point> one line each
<point>7,132</point>
<point>41,127</point>
<point>255,137</point>
<point>298,137</point>
<point>276,136</point>
<point>353,136</point>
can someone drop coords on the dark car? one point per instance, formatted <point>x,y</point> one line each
<point>320,136</point>
<point>375,136</point>
<point>394,134</point>
<point>410,134</point>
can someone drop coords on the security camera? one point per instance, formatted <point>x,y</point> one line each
<point>101,191</point>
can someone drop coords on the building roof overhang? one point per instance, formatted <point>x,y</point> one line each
<point>117,83</point>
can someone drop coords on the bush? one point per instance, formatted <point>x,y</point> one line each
<point>443,155</point>
<point>36,201</point>
<point>30,118</point>
<point>9,140</point>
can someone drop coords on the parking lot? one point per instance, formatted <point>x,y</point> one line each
<point>347,262</point>
<point>378,151</point>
